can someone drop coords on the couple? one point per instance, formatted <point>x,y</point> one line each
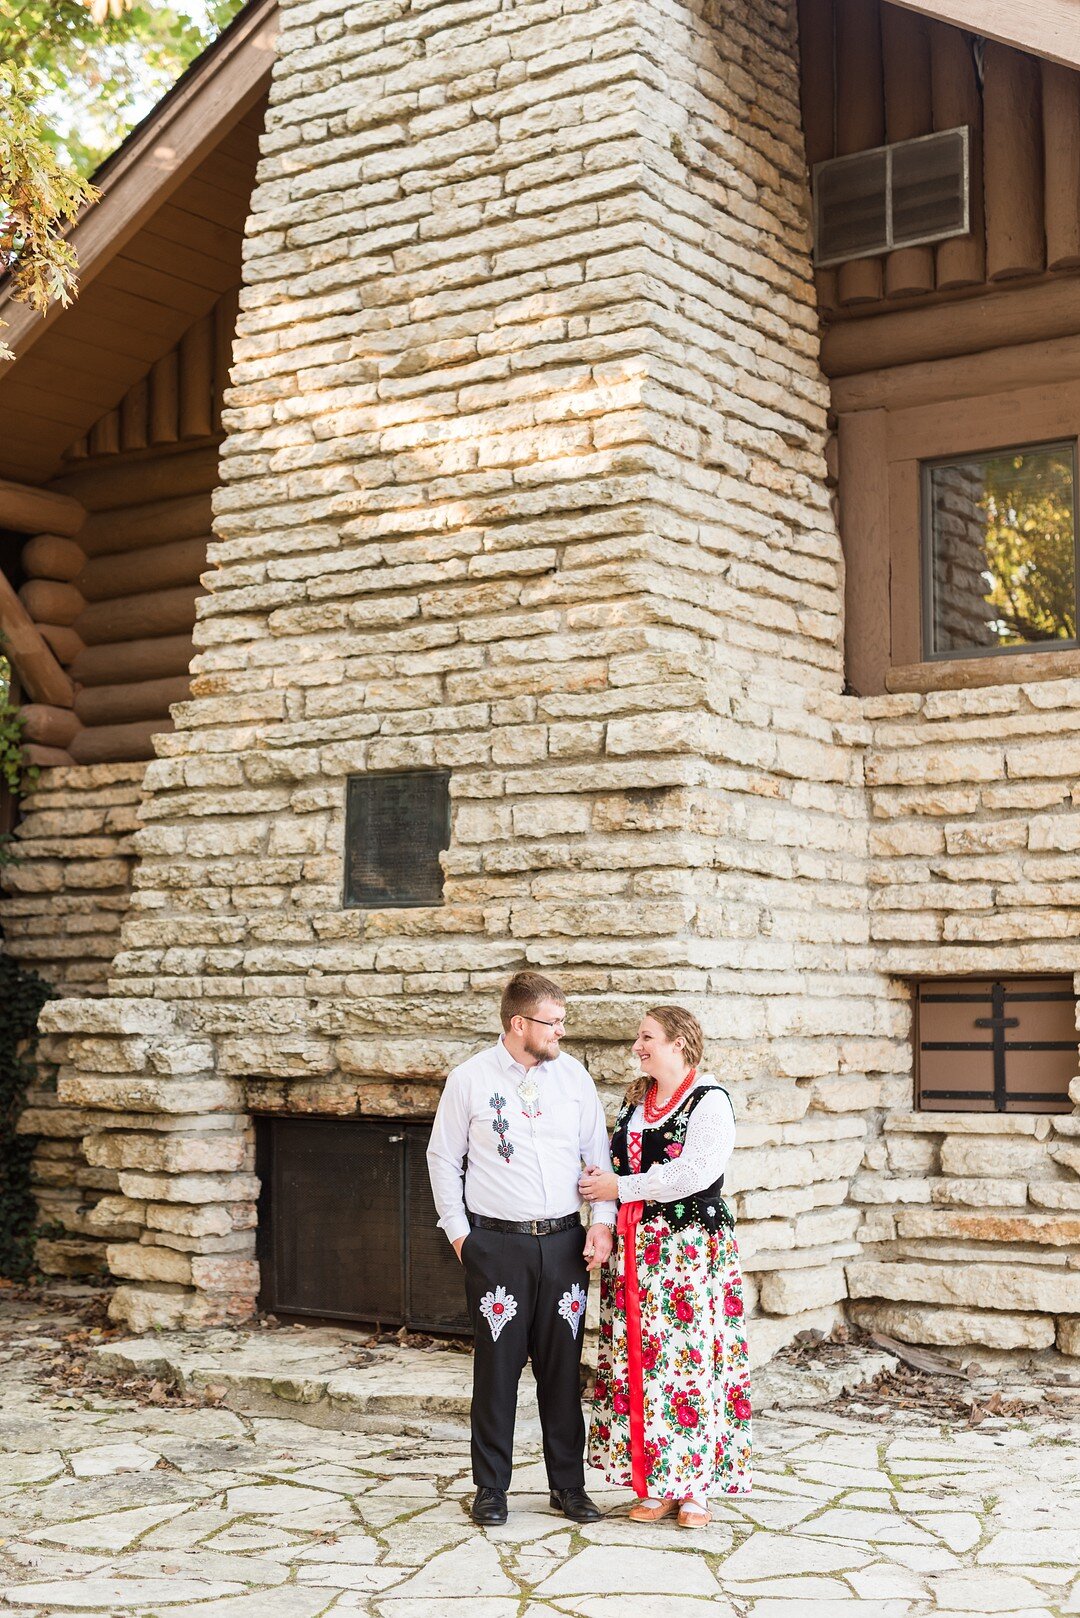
<point>518,1142</point>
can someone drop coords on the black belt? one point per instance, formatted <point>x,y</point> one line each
<point>526,1227</point>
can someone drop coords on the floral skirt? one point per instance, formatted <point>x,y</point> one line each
<point>694,1399</point>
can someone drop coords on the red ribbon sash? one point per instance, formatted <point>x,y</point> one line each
<point>629,1219</point>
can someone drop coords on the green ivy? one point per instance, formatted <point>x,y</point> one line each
<point>13,773</point>
<point>22,995</point>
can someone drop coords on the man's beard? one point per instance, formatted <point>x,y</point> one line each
<point>542,1052</point>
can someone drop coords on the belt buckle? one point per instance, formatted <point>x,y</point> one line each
<point>534,1227</point>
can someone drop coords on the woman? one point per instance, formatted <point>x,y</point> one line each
<point>671,1411</point>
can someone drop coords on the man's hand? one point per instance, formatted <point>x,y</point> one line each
<point>598,1245</point>
<point>458,1245</point>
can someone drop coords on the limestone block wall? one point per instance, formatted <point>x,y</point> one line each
<point>971,1225</point>
<point>66,894</point>
<point>63,902</point>
<point>524,478</point>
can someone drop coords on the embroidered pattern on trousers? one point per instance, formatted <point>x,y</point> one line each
<point>498,1309</point>
<point>572,1307</point>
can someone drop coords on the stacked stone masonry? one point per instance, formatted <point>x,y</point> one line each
<point>525,478</point>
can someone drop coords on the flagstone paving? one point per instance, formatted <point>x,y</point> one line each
<point>112,1508</point>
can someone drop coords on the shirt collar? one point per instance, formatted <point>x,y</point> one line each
<point>506,1061</point>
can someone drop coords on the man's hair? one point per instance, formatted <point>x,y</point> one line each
<point>524,993</point>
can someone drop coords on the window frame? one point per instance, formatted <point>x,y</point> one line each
<point>943,409</point>
<point>926,555</point>
<point>958,989</point>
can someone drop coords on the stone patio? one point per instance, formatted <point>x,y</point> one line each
<point>109,1506</point>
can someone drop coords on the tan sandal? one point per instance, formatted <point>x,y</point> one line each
<point>652,1510</point>
<point>691,1515</point>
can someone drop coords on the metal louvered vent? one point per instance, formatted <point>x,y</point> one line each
<point>903,195</point>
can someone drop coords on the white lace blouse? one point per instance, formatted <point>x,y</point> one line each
<point>710,1139</point>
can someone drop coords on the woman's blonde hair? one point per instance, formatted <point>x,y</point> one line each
<point>677,1024</point>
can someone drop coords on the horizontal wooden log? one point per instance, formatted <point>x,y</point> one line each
<point>120,482</point>
<point>62,641</point>
<point>989,320</point>
<point>52,727</point>
<point>158,523</point>
<point>159,612</point>
<point>51,556</point>
<point>40,675</point>
<point>48,601</point>
<point>118,744</point>
<point>134,660</point>
<point>967,376</point>
<point>133,572</point>
<point>121,704</point>
<point>47,758</point>
<point>37,511</point>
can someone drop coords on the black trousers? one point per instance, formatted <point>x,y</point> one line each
<point>527,1299</point>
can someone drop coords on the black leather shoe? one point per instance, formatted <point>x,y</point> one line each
<point>575,1504</point>
<point>489,1508</point>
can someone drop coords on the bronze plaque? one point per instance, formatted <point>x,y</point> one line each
<point>396,826</point>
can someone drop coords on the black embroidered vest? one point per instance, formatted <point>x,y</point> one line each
<point>705,1207</point>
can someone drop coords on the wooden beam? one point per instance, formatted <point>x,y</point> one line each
<point>50,727</point>
<point>817,90</point>
<point>860,120</point>
<point>151,165</point>
<point>995,319</point>
<point>864,533</point>
<point>905,45</point>
<point>966,376</point>
<point>1061,161</point>
<point>39,511</point>
<point>118,744</point>
<point>1048,28</point>
<point>39,673</point>
<point>1012,156</point>
<point>961,261</point>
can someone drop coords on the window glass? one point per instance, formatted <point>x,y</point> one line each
<point>999,538</point>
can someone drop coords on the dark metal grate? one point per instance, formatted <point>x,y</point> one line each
<point>347,1225</point>
<point>912,191</point>
<point>996,1045</point>
<point>396,826</point>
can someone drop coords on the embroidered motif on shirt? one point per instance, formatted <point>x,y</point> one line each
<point>572,1307</point>
<point>529,1096</point>
<point>501,1127</point>
<point>498,1308</point>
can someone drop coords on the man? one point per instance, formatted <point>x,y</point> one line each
<point>515,1124</point>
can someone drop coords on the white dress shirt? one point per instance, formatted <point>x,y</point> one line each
<point>710,1139</point>
<point>505,1155</point>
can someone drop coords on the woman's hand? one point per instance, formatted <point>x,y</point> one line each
<point>596,1186</point>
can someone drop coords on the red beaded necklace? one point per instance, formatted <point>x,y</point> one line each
<point>653,1113</point>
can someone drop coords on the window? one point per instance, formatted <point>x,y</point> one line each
<point>999,552</point>
<point>396,826</point>
<point>995,1045</point>
<point>911,192</point>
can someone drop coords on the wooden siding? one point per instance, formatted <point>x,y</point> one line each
<point>872,72</point>
<point>165,279</point>
<point>117,603</point>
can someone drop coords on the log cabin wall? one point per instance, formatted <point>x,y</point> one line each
<point>873,73</point>
<point>116,601</point>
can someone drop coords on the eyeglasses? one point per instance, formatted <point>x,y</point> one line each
<point>558,1023</point>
